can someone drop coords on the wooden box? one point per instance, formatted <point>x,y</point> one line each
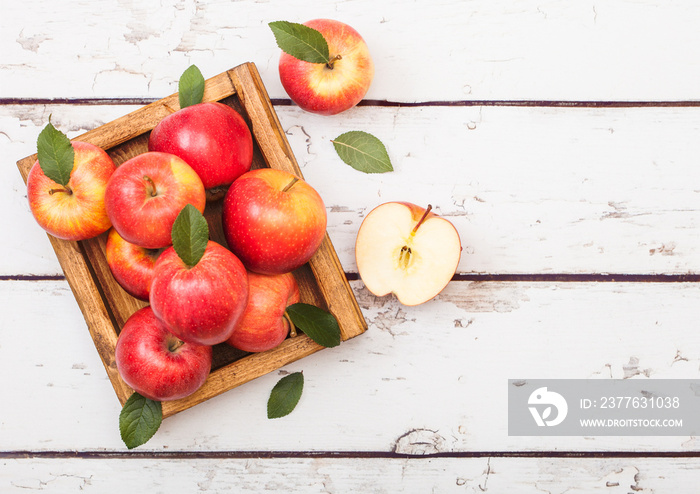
<point>106,306</point>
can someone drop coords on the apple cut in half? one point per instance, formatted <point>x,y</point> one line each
<point>406,250</point>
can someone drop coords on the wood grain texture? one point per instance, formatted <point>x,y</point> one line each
<point>107,306</point>
<point>421,380</point>
<point>530,190</point>
<point>323,475</point>
<point>424,50</point>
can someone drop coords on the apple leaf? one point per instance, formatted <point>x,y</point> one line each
<point>191,87</point>
<point>363,152</point>
<point>300,41</point>
<point>139,420</point>
<point>285,395</point>
<point>317,324</point>
<point>55,153</point>
<point>190,235</point>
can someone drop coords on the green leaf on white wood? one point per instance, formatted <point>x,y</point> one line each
<point>363,152</point>
<point>191,87</point>
<point>55,153</point>
<point>190,235</point>
<point>300,41</point>
<point>139,420</point>
<point>285,395</point>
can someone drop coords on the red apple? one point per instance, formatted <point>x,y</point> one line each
<point>273,221</point>
<point>146,193</point>
<point>76,211</point>
<point>212,138</point>
<point>200,304</point>
<point>155,363</point>
<point>336,86</point>
<point>131,265</point>
<point>264,325</point>
<point>407,250</point>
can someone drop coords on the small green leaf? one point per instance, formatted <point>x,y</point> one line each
<point>191,87</point>
<point>363,152</point>
<point>55,153</point>
<point>190,235</point>
<point>301,41</point>
<point>285,395</point>
<point>317,324</point>
<point>139,419</point>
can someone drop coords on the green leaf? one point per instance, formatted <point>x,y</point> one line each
<point>55,153</point>
<point>190,235</point>
<point>363,152</point>
<point>317,324</point>
<point>301,41</point>
<point>285,395</point>
<point>191,87</point>
<point>139,419</point>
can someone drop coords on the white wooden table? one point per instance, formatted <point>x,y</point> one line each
<point>561,138</point>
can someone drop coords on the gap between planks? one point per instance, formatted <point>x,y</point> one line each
<point>545,278</point>
<point>176,455</point>
<point>383,103</point>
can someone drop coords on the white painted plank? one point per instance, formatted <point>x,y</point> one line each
<point>426,379</point>
<point>530,189</point>
<point>424,50</point>
<point>375,475</point>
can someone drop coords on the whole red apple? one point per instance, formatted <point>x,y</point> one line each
<point>76,211</point>
<point>273,221</point>
<point>264,325</point>
<point>145,195</point>
<point>212,138</point>
<point>336,86</point>
<point>155,363</point>
<point>200,304</point>
<point>131,265</point>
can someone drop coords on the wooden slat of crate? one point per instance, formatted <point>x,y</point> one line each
<point>106,306</point>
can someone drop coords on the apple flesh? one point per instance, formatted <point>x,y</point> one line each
<point>132,266</point>
<point>77,211</point>
<point>146,193</point>
<point>212,138</point>
<point>404,249</point>
<point>264,324</point>
<point>273,221</point>
<point>334,87</point>
<point>200,304</point>
<point>155,363</point>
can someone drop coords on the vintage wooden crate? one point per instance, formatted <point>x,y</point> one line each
<point>106,306</point>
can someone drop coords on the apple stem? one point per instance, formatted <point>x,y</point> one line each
<point>332,61</point>
<point>65,189</point>
<point>292,327</point>
<point>174,344</point>
<point>151,186</point>
<point>420,222</point>
<point>290,184</point>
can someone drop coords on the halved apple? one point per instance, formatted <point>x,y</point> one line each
<point>406,250</point>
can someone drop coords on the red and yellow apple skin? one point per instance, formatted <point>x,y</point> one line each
<point>200,304</point>
<point>329,89</point>
<point>212,138</point>
<point>132,266</point>
<point>155,363</point>
<point>75,212</point>
<point>270,229</point>
<point>264,325</point>
<point>404,249</point>
<point>146,193</point>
